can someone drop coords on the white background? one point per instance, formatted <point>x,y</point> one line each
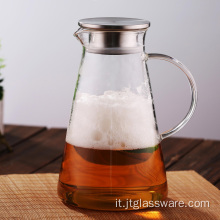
<point>43,57</point>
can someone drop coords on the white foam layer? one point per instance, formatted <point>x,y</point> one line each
<point>115,120</point>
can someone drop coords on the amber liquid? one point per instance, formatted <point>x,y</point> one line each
<point>94,179</point>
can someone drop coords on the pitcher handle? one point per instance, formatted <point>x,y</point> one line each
<point>192,86</point>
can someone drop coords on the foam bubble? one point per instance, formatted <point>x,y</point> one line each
<point>115,120</point>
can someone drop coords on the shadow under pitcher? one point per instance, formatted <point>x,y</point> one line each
<point>113,152</point>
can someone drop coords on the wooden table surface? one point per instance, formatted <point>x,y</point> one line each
<point>39,150</point>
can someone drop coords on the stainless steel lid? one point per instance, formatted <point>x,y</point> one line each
<point>115,23</point>
<point>112,35</point>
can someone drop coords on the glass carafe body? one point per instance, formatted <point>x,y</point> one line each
<point>113,155</point>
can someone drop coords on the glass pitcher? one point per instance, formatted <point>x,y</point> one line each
<point>112,158</point>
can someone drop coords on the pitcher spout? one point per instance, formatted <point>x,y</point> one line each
<point>79,34</point>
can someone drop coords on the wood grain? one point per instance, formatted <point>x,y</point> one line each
<point>175,148</point>
<point>204,159</point>
<point>16,134</point>
<point>53,167</point>
<point>34,153</point>
<point>217,184</point>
